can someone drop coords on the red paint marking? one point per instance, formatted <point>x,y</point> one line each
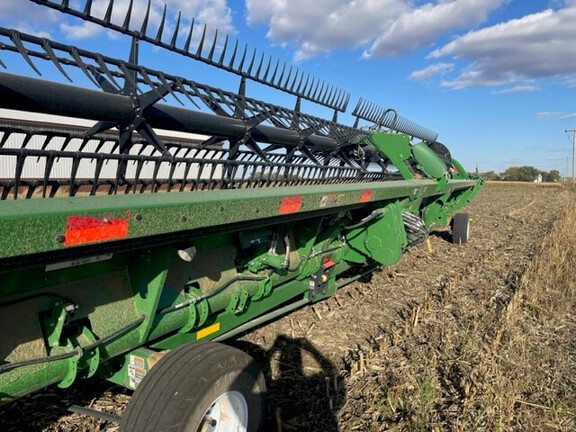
<point>365,196</point>
<point>290,204</point>
<point>85,229</point>
<point>328,263</point>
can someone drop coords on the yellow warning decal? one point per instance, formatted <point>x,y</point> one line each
<point>208,331</point>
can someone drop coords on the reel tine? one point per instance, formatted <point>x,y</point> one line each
<point>233,57</point>
<point>294,81</point>
<point>288,78</point>
<point>241,64</point>
<point>161,26</point>
<point>249,71</point>
<point>260,65</point>
<point>17,41</point>
<point>50,53</point>
<point>128,17</point>
<point>223,53</point>
<point>108,14</point>
<point>169,87</point>
<point>107,72</point>
<point>88,7</point>
<point>144,26</point>
<point>185,92</point>
<point>176,30</point>
<point>265,78</point>
<point>201,43</point>
<point>211,54</point>
<point>317,92</point>
<point>82,65</point>
<point>189,37</point>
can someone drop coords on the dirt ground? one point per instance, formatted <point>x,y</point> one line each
<point>403,350</point>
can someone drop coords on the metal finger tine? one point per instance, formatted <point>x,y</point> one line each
<point>211,54</point>
<point>285,86</point>
<point>3,64</point>
<point>223,53</point>
<point>149,81</point>
<point>128,17</point>
<point>233,56</point>
<point>108,14</point>
<point>50,53</point>
<point>201,43</point>
<point>88,7</point>
<point>279,82</point>
<point>251,65</point>
<point>294,80</point>
<point>259,68</point>
<point>17,41</point>
<point>189,37</point>
<point>176,30</point>
<point>186,93</point>
<point>275,71</point>
<point>265,77</point>
<point>323,95</point>
<point>241,64</point>
<point>144,26</point>
<point>170,88</point>
<point>319,89</point>
<point>130,77</point>
<point>335,97</point>
<point>82,65</point>
<point>107,71</point>
<point>161,26</point>
<point>313,88</point>
<point>300,89</point>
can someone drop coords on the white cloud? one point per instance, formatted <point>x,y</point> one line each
<point>319,26</point>
<point>568,116</point>
<point>535,46</point>
<point>27,17</point>
<point>32,18</point>
<point>430,71</point>
<point>517,89</point>
<point>422,26</point>
<point>380,27</point>
<point>548,114</point>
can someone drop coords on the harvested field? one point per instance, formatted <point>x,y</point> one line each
<point>479,337</point>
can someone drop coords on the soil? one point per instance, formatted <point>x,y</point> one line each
<point>396,351</point>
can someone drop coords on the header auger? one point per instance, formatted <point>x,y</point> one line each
<point>143,214</point>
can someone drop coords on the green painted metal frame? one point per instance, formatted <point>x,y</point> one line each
<point>35,226</point>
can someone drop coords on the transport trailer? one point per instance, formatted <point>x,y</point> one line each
<point>144,217</point>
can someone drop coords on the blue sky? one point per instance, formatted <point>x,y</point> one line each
<point>495,78</point>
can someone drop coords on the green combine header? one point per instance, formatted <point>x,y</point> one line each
<point>145,216</point>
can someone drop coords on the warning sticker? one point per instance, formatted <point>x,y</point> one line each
<point>136,371</point>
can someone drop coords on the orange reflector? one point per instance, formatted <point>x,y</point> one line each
<point>365,195</point>
<point>290,204</point>
<point>85,229</point>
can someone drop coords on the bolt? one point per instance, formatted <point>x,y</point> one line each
<point>211,421</point>
<point>183,218</point>
<point>138,216</point>
<point>60,238</point>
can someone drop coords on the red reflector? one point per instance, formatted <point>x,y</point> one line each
<point>84,229</point>
<point>365,195</point>
<point>290,204</point>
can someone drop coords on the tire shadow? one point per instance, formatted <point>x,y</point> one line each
<point>304,389</point>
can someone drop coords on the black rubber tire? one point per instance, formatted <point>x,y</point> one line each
<point>179,390</point>
<point>460,228</point>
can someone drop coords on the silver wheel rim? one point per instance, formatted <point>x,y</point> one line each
<point>228,413</point>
